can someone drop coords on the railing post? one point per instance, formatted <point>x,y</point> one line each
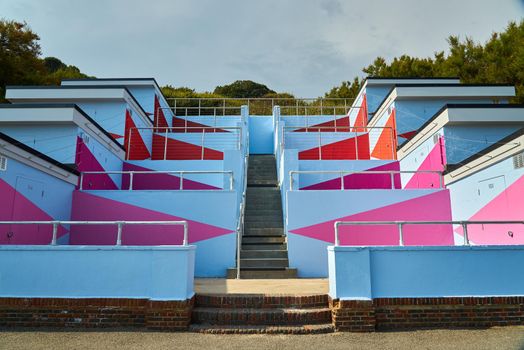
<point>181,180</point>
<point>356,145</point>
<point>185,239</point>
<point>291,180</point>
<point>342,180</point>
<point>199,106</point>
<point>81,181</point>
<point>55,232</point>
<point>440,180</point>
<point>128,143</point>
<point>321,106</point>
<point>131,180</point>
<point>392,180</point>
<point>231,180</point>
<point>203,133</point>
<point>320,144</point>
<point>465,231</point>
<point>337,241</point>
<point>165,146</point>
<point>119,233</point>
<point>400,235</point>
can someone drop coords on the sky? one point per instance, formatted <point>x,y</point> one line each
<point>304,47</point>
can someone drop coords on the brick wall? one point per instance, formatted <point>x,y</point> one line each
<point>95,313</point>
<point>413,313</point>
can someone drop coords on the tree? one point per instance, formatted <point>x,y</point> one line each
<point>243,89</point>
<point>19,51</point>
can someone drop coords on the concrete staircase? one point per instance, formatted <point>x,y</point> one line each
<point>264,249</point>
<point>258,313</point>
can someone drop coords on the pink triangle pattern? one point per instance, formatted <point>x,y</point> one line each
<point>362,181</point>
<point>435,206</point>
<point>21,209</point>
<point>90,207</point>
<point>505,206</point>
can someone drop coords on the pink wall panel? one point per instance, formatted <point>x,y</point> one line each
<point>434,206</point>
<point>90,207</point>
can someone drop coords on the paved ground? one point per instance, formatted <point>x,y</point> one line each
<point>295,286</point>
<point>494,338</point>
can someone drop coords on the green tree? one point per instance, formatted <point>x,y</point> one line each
<point>243,89</point>
<point>19,55</point>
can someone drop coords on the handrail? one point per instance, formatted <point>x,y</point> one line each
<point>356,130</point>
<point>350,172</point>
<point>181,172</point>
<point>120,225</point>
<point>463,223</point>
<point>242,209</point>
<point>200,108</point>
<point>167,129</point>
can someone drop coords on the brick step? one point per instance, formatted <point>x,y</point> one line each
<point>242,329</point>
<point>263,263</point>
<point>261,301</point>
<point>264,254</point>
<point>261,316</point>
<point>265,273</point>
<point>263,239</point>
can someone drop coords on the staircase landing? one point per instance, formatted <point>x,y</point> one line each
<point>294,286</point>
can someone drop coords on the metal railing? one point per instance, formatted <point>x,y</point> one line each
<point>400,224</point>
<point>316,110</point>
<point>236,134</point>
<point>180,174</point>
<point>242,209</point>
<point>259,106</point>
<point>353,132</point>
<point>119,224</point>
<point>199,111</point>
<point>391,174</point>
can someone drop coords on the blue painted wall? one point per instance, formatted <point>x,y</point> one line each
<point>261,134</point>
<point>159,273</point>
<point>402,272</point>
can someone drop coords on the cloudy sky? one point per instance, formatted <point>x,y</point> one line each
<point>300,46</point>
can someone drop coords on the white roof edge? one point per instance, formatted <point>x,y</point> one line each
<point>13,151</point>
<point>484,161</point>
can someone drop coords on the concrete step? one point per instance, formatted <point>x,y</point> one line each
<point>262,239</point>
<point>262,329</point>
<point>268,231</point>
<point>263,212</point>
<point>259,316</point>
<point>263,254</point>
<point>249,225</point>
<point>264,263</point>
<point>267,246</point>
<point>267,273</point>
<point>262,218</point>
<point>259,181</point>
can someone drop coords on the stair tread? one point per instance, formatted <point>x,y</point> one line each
<point>262,329</point>
<point>270,310</point>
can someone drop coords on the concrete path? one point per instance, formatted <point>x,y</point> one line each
<point>297,286</point>
<point>494,338</point>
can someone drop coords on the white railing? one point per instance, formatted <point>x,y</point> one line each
<point>242,209</point>
<point>308,111</point>
<point>400,224</point>
<point>315,132</point>
<point>203,111</point>
<point>231,138</point>
<point>342,173</point>
<point>119,224</point>
<point>262,105</point>
<point>180,173</point>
